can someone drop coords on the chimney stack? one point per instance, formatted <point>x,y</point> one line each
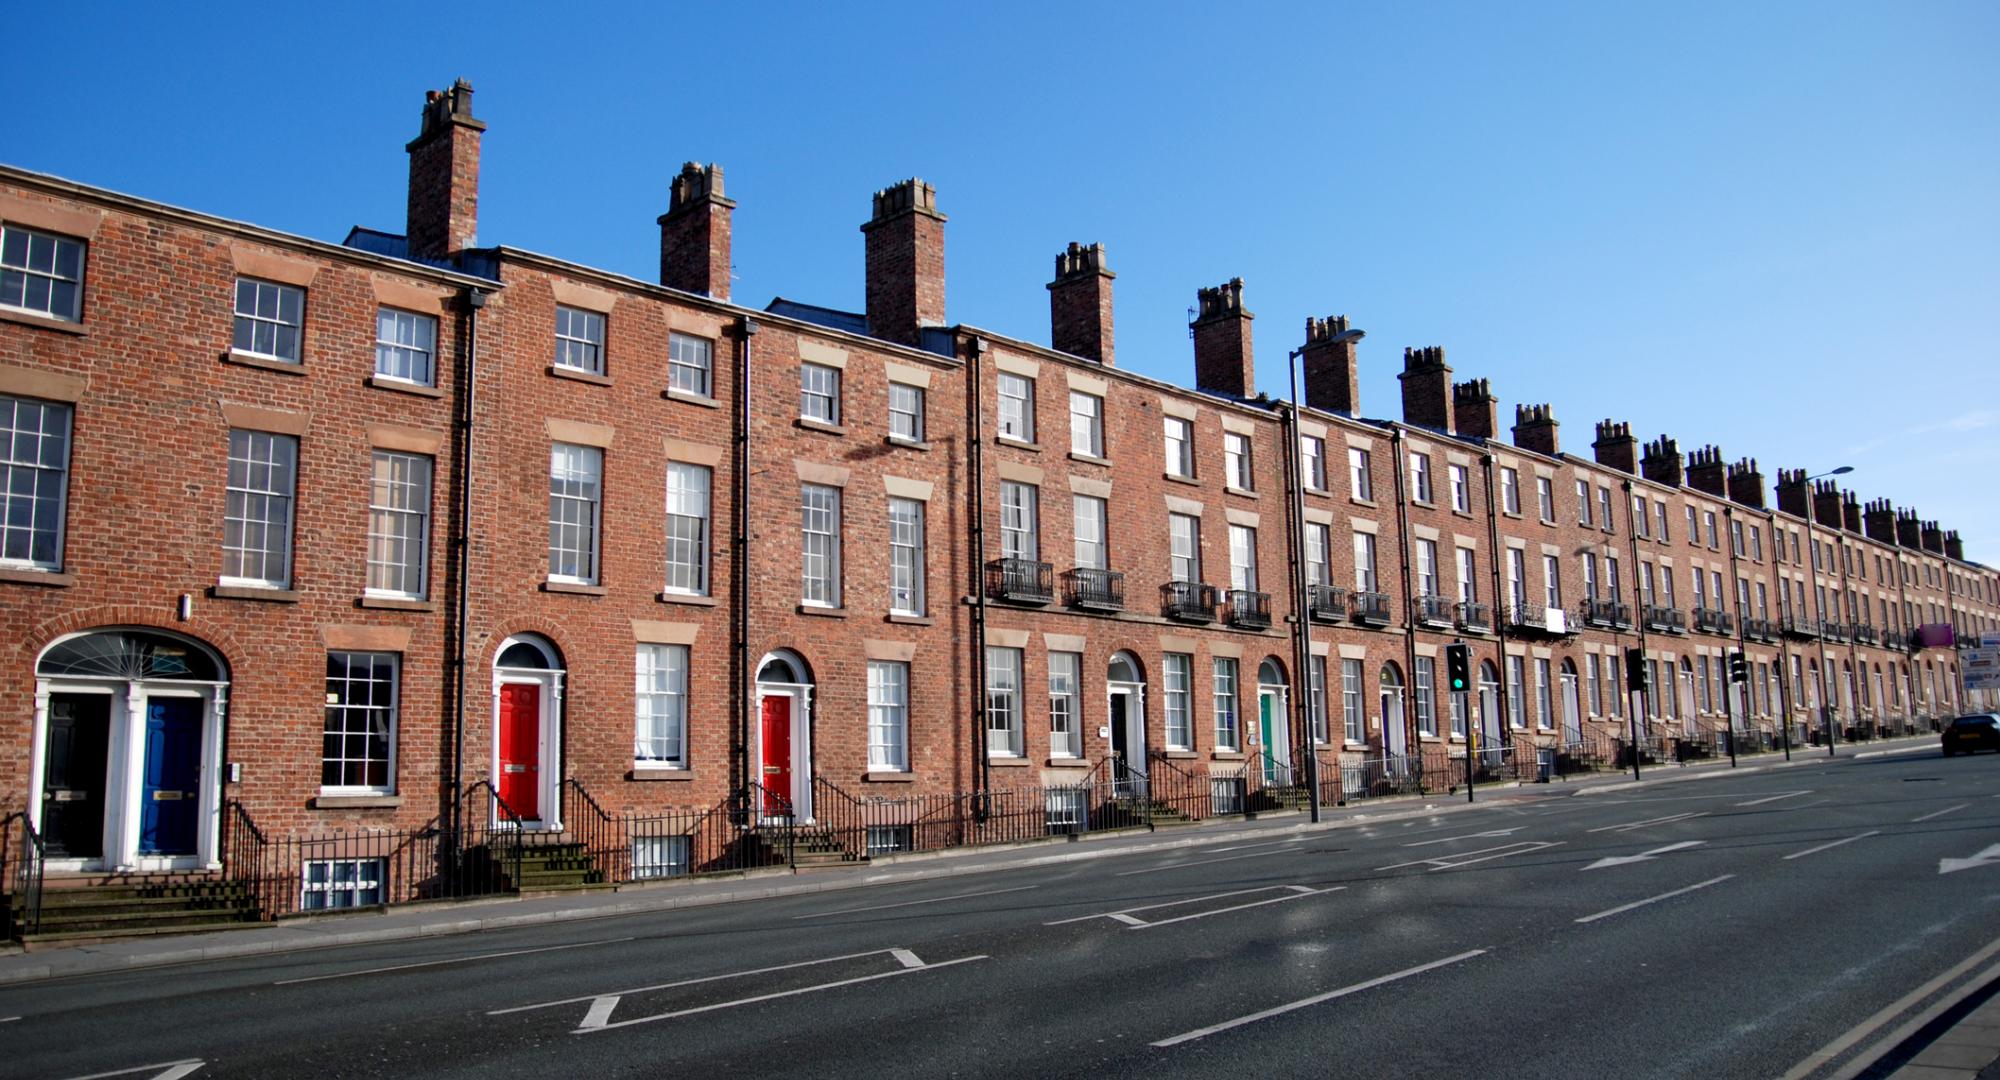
<point>1615,447</point>
<point>444,176</point>
<point>1426,379</point>
<point>905,262</point>
<point>694,233</point>
<point>1474,409</point>
<point>1706,472</point>
<point>1661,463</point>
<point>1746,483</point>
<point>1954,548</point>
<point>1850,512</point>
<point>1933,538</point>
<point>1826,504</point>
<point>1535,429</point>
<point>1792,495</point>
<point>1222,361</point>
<point>1331,356</point>
<point>1909,532</point>
<point>1080,303</point>
<point>1880,519</point>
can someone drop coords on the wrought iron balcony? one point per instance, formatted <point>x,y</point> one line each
<point>1095,590</point>
<point>1369,608</point>
<point>1833,631</point>
<point>1474,616</point>
<point>1608,614</point>
<point>1250,610</point>
<point>1188,601</point>
<point>1434,611</point>
<point>1666,620</point>
<point>1864,634</point>
<point>1328,602</point>
<point>1760,630</point>
<point>1528,618</point>
<point>1714,621</point>
<point>1020,581</point>
<point>1792,626</point>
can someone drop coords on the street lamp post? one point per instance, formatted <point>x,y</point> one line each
<point>1819,609</point>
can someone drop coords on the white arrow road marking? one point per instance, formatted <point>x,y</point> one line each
<point>1940,813</point>
<point>1988,857</point>
<point>1467,858</point>
<point>1622,908</point>
<point>600,1012</point>
<point>1469,836</point>
<point>1169,903</point>
<point>170,1070</point>
<point>686,982</point>
<point>1298,892</point>
<point>779,994</point>
<point>1644,856</point>
<point>1775,798</point>
<point>1316,999</point>
<point>1835,844</point>
<point>1630,825</point>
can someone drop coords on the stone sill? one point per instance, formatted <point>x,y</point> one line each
<point>823,612</point>
<point>573,588</point>
<point>1358,501</point>
<point>1234,490</point>
<point>394,603</point>
<point>649,773</point>
<point>43,322</point>
<point>887,777</point>
<point>253,592</point>
<point>1227,755</point>
<point>691,398</point>
<point>402,387</point>
<point>689,599</point>
<point>907,444</point>
<point>1007,762</point>
<point>1009,440</point>
<point>1066,763</point>
<point>821,426</point>
<point>1178,479</point>
<point>357,802</point>
<point>1090,459</point>
<point>1182,755</point>
<point>592,378</point>
<point>266,363</point>
<point>51,578</point>
<point>909,620</point>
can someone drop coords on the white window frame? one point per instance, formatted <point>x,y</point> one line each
<point>1228,712</point>
<point>1427,567</point>
<point>1178,439</point>
<point>660,706</point>
<point>22,267</point>
<point>1360,474</point>
<point>1354,716</point>
<point>1238,465</point>
<point>369,716</point>
<point>1545,499</point>
<point>1183,547</point>
<point>1461,488</point>
<point>1020,521</point>
<point>580,335</point>
<point>1090,518</point>
<point>1086,424</point>
<point>690,502</point>
<point>690,364</point>
<point>888,716</point>
<point>576,510</point>
<point>337,884</point>
<point>1425,687</point>
<point>1365,577</point>
<point>399,524</point>
<point>1312,460</point>
<point>1319,560</point>
<point>264,311</point>
<point>1065,705</point>
<point>405,346</point>
<point>263,481</point>
<point>1243,558</point>
<point>819,545</point>
<point>1420,477</point>
<point>906,556</point>
<point>906,412</point>
<point>33,459</point>
<point>1016,395</point>
<point>1177,675</point>
<point>1003,702</point>
<point>819,393</point>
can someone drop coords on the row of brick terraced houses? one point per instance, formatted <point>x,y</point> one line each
<point>314,537</point>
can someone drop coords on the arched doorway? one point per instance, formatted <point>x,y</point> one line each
<point>1125,716</point>
<point>783,750</point>
<point>1572,704</point>
<point>1273,730</point>
<point>127,764</point>
<point>1489,706</point>
<point>1394,739</point>
<point>528,681</point>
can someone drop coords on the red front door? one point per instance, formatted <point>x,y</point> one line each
<point>521,749</point>
<point>777,758</point>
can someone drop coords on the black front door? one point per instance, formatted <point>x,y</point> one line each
<point>73,782</point>
<point>1121,764</point>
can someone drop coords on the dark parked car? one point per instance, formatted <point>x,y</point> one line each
<point>1969,734</point>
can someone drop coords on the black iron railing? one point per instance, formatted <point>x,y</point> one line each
<point>1433,610</point>
<point>1188,601</point>
<point>1020,581</point>
<point>1760,630</point>
<point>1793,626</point>
<point>1474,616</point>
<point>1864,634</point>
<point>1250,610</point>
<point>1664,619</point>
<point>1531,618</point>
<point>23,858</point>
<point>1612,614</point>
<point>1096,590</point>
<point>1833,631</point>
<point>1327,603</point>
<point>1369,608</point>
<point>1714,621</point>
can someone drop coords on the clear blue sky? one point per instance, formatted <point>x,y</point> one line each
<point>1769,226</point>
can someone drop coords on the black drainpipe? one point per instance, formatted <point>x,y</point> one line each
<point>461,547</point>
<point>739,577</point>
<point>1504,722</point>
<point>1411,743</point>
<point>981,770</point>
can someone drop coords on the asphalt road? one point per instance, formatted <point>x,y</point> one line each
<point>1731,926</point>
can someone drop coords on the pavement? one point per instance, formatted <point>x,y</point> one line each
<point>1702,921</point>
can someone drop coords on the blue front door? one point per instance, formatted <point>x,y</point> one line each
<point>170,800</point>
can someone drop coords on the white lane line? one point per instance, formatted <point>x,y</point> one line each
<point>906,958</point>
<point>1622,908</point>
<point>1818,1059</point>
<point>915,903</point>
<point>173,1070</point>
<point>1465,858</point>
<point>687,982</point>
<point>1630,825</point>
<point>1280,1010</point>
<point>1835,844</point>
<point>8,1019</point>
<point>1775,798</point>
<point>1197,862</point>
<point>781,994</point>
<point>1644,856</point>
<point>1940,813</point>
<point>1468,836</point>
<point>451,960</point>
<point>1299,892</point>
<point>1247,847</point>
<point>1168,903</point>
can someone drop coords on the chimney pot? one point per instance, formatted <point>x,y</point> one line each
<point>1427,396</point>
<point>695,233</point>
<point>1080,303</point>
<point>444,176</point>
<point>1223,361</point>
<point>905,262</point>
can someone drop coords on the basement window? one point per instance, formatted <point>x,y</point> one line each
<point>343,883</point>
<point>659,856</point>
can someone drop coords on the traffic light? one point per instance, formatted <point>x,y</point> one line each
<point>1739,667</point>
<point>1458,666</point>
<point>1635,670</point>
